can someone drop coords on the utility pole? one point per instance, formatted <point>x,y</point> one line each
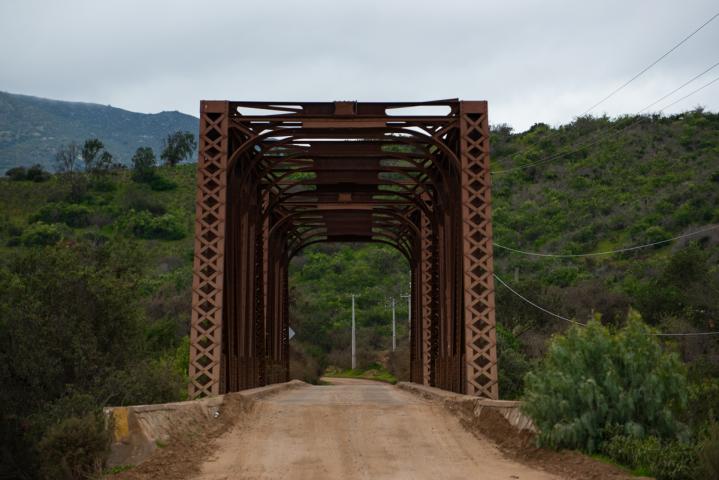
<point>394,327</point>
<point>409,313</point>
<point>354,352</point>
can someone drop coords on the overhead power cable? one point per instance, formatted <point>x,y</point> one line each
<point>658,334</point>
<point>645,69</point>
<point>690,94</point>
<point>679,88</point>
<point>535,305</point>
<point>613,133</point>
<point>608,252</point>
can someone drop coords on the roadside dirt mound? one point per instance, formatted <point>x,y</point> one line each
<point>189,445</point>
<point>522,446</point>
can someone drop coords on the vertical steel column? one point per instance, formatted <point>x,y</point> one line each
<point>260,370</point>
<point>205,367</point>
<point>284,331</point>
<point>480,352</point>
<point>425,286</point>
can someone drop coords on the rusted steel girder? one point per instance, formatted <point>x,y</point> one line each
<point>274,178</point>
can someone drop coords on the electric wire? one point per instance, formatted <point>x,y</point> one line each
<point>656,334</point>
<point>642,72</point>
<point>535,305</point>
<point>613,133</point>
<point>608,252</point>
<point>679,88</point>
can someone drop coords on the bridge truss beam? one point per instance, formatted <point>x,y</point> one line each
<point>274,178</point>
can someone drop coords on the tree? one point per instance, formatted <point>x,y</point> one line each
<point>593,383</point>
<point>178,146</point>
<point>143,164</point>
<point>66,158</point>
<point>17,174</point>
<point>90,152</point>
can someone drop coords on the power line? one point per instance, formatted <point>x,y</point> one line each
<point>691,93</point>
<point>679,88</point>
<point>608,252</point>
<point>613,133</point>
<point>683,334</point>
<point>535,305</point>
<point>621,87</point>
<point>643,71</point>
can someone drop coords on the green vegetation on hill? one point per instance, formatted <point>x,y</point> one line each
<point>32,128</point>
<point>122,241</point>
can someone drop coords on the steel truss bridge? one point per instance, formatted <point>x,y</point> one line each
<point>274,178</point>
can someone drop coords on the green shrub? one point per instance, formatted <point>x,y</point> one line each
<point>673,460</point>
<point>103,183</point>
<point>160,183</point>
<point>150,381</point>
<point>41,234</point>
<point>37,174</point>
<point>17,174</point>
<point>163,227</point>
<point>593,381</point>
<point>139,200</point>
<point>513,364</point>
<point>709,453</point>
<point>71,214</point>
<point>75,448</point>
<point>34,174</point>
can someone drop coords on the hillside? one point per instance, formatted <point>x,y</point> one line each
<point>120,252</point>
<point>32,128</point>
<point>646,180</point>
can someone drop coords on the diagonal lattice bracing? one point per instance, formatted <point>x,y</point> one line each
<point>480,336</point>
<point>207,286</point>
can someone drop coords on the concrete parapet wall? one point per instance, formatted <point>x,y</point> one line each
<point>139,430</point>
<point>473,405</point>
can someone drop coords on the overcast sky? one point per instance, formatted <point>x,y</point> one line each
<point>534,61</point>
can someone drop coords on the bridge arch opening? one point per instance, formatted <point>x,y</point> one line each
<point>298,174</point>
<point>323,277</point>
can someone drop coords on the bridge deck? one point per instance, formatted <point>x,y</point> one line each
<point>356,429</point>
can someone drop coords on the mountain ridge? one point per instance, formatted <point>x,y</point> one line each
<point>33,128</point>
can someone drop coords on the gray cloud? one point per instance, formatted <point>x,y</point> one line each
<point>532,60</point>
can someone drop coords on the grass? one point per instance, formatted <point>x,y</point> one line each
<point>117,469</point>
<point>374,372</point>
<point>637,472</point>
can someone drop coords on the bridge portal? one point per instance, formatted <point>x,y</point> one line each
<point>274,178</point>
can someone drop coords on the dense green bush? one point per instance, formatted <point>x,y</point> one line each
<point>673,460</point>
<point>71,214</point>
<point>37,174</point>
<point>72,338</point>
<point>709,453</point>
<point>75,448</point>
<point>162,227</point>
<point>593,382</point>
<point>148,381</point>
<point>34,174</point>
<point>41,234</point>
<point>160,183</point>
<point>140,200</point>
<point>16,173</point>
<point>513,364</point>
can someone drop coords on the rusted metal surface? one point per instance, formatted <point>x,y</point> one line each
<point>274,178</point>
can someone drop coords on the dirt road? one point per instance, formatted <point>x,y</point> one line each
<point>356,429</point>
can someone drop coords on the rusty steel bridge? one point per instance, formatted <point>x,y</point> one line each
<point>274,178</point>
